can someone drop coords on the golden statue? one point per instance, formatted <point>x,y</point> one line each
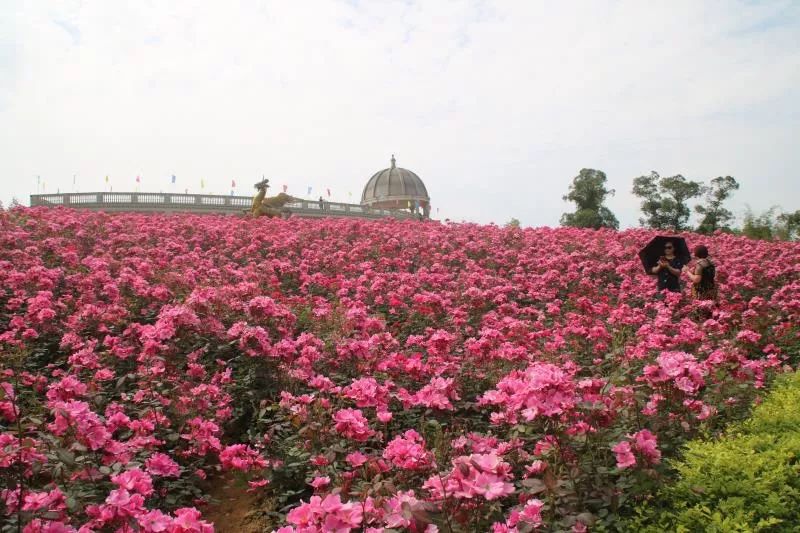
<point>272,206</point>
<point>261,187</point>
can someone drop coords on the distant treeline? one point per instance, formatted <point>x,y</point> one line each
<point>665,205</point>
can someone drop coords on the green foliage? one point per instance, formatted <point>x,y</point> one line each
<point>759,226</point>
<point>790,222</point>
<point>769,226</point>
<point>588,191</point>
<point>748,480</point>
<point>513,223</point>
<point>664,200</point>
<point>716,217</point>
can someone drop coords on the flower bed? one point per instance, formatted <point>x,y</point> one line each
<point>379,375</point>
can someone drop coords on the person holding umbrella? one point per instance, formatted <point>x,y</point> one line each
<point>668,269</point>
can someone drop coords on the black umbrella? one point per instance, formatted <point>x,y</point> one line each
<point>654,250</point>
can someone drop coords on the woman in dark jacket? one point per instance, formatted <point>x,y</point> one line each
<point>704,286</point>
<point>668,270</point>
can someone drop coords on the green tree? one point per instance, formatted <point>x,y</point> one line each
<point>714,215</point>
<point>769,225</point>
<point>763,226</point>
<point>513,223</point>
<point>790,224</point>
<point>588,192</point>
<point>664,200</point>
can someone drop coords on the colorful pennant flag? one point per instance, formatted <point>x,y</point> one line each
<point>202,183</point>
<point>106,179</point>
<point>74,177</point>
<point>233,185</point>
<point>329,193</point>
<point>173,178</point>
<point>138,179</point>
<point>285,188</point>
<point>309,190</point>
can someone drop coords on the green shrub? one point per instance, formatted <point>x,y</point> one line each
<point>749,480</point>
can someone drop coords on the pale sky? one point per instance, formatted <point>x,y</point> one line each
<point>495,105</point>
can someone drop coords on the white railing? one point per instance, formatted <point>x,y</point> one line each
<point>201,203</point>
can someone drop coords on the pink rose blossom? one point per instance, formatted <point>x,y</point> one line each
<point>160,464</point>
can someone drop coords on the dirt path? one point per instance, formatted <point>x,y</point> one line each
<point>235,510</point>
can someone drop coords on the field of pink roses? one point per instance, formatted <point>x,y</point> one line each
<point>360,375</point>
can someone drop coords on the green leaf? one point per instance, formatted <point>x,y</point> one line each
<point>534,485</point>
<point>71,503</point>
<point>65,456</point>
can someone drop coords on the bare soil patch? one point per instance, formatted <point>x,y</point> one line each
<point>234,510</point>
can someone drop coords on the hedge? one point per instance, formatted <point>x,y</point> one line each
<point>748,480</point>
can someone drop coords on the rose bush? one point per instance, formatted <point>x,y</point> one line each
<point>363,374</point>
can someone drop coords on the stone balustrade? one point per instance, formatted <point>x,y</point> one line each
<point>200,203</point>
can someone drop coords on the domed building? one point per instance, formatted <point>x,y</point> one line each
<point>396,188</point>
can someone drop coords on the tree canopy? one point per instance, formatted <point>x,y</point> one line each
<point>763,226</point>
<point>791,224</point>
<point>715,216</point>
<point>588,191</point>
<point>664,200</point>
